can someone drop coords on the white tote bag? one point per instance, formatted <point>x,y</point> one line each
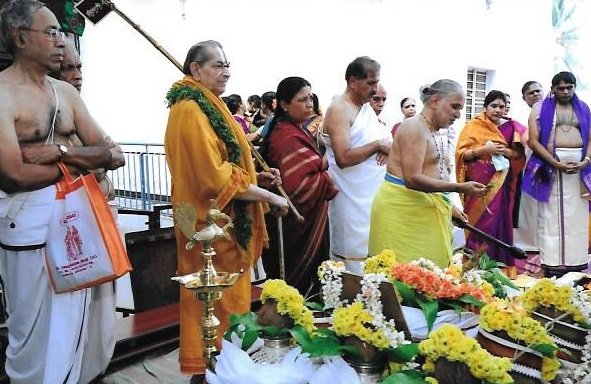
<point>84,247</point>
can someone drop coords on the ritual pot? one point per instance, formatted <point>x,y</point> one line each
<point>452,372</point>
<point>565,332</point>
<point>369,363</point>
<point>273,350</point>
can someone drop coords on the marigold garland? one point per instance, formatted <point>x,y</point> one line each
<point>355,320</point>
<point>289,302</point>
<point>381,263</point>
<point>513,319</point>
<point>432,285</point>
<point>547,293</point>
<point>242,220</point>
<point>450,343</point>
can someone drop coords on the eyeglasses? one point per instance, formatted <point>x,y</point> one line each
<point>53,34</point>
<point>378,99</point>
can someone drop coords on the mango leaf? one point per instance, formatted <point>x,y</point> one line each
<point>469,299</point>
<point>250,336</point>
<point>314,306</point>
<point>500,276</point>
<point>318,344</point>
<point>403,353</point>
<point>408,294</point>
<point>411,376</point>
<point>430,309</point>
<point>546,350</point>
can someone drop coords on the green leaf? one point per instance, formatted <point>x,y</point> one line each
<point>430,309</point>
<point>500,276</point>
<point>469,299</point>
<point>250,336</point>
<point>545,349</point>
<point>408,294</point>
<point>403,353</point>
<point>314,306</point>
<point>411,376</point>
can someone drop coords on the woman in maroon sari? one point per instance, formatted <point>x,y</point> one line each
<point>489,151</point>
<point>292,149</point>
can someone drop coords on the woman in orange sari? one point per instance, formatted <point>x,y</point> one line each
<point>291,148</point>
<point>489,151</point>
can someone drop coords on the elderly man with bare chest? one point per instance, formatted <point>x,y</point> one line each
<point>558,176</point>
<point>53,338</point>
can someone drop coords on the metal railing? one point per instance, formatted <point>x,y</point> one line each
<point>144,181</point>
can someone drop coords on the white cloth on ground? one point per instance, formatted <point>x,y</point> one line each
<point>349,212</point>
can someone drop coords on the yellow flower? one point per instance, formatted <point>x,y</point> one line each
<point>501,315</point>
<point>381,263</point>
<point>289,302</point>
<point>450,343</point>
<point>354,320</point>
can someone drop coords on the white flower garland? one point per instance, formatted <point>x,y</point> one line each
<point>330,274</point>
<point>331,278</point>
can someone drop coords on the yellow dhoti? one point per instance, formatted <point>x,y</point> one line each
<point>411,223</point>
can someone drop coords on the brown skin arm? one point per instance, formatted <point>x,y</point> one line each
<point>537,147</point>
<point>337,125</point>
<point>413,145</point>
<point>15,174</point>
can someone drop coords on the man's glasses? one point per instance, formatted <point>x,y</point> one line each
<point>378,99</point>
<point>53,34</point>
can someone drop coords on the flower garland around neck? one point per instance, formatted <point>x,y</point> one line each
<point>242,220</point>
<point>289,302</point>
<point>450,343</point>
<point>514,320</point>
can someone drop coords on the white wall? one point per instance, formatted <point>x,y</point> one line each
<point>419,41</point>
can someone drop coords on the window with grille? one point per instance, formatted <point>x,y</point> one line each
<point>475,91</point>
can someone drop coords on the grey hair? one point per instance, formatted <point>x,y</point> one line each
<point>441,88</point>
<point>15,15</point>
<point>200,53</point>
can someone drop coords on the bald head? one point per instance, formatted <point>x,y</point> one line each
<point>379,99</point>
<point>71,67</point>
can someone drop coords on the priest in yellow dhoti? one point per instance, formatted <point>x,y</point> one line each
<point>209,157</point>
<point>412,210</point>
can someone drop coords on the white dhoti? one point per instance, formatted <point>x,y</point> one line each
<point>52,338</point>
<point>349,212</point>
<point>563,221</point>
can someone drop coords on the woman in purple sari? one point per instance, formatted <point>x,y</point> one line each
<point>489,151</point>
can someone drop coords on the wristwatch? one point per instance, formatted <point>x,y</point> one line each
<point>63,150</point>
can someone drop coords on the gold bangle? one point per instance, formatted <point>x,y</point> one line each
<point>587,159</point>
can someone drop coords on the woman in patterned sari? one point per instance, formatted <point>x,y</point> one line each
<point>291,148</point>
<point>489,151</point>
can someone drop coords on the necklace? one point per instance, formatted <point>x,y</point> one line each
<point>569,127</point>
<point>442,159</point>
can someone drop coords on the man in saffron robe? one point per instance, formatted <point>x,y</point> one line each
<point>412,210</point>
<point>558,176</point>
<point>292,149</point>
<point>209,158</point>
<point>483,144</point>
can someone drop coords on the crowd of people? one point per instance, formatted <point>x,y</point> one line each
<point>360,185</point>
